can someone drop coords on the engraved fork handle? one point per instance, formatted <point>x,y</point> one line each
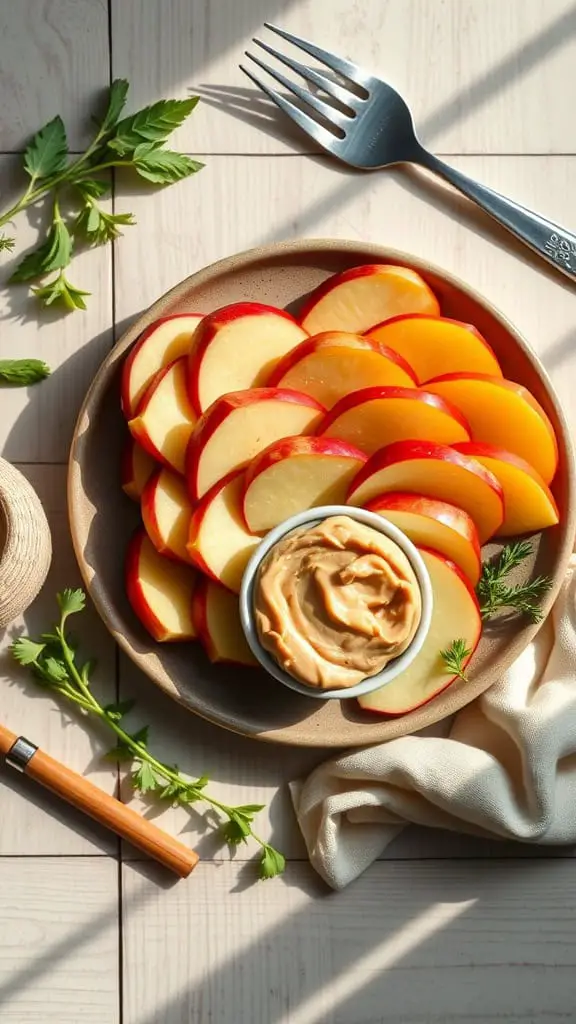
<point>549,240</point>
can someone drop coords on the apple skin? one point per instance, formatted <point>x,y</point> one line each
<point>135,594</point>
<point>440,319</point>
<point>134,425</point>
<point>368,270</point>
<point>208,330</point>
<point>152,526</point>
<point>327,340</point>
<point>220,410</point>
<point>128,407</point>
<point>200,599</point>
<point>434,508</point>
<point>197,520</point>
<point>373,394</point>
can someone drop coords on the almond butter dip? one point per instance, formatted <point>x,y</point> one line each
<point>335,602</point>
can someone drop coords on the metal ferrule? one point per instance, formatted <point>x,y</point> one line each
<point>20,755</point>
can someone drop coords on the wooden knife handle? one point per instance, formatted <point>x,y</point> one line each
<point>87,797</point>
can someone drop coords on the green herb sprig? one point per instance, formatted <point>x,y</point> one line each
<point>135,142</point>
<point>455,658</point>
<point>54,663</point>
<point>495,594</point>
<point>20,373</point>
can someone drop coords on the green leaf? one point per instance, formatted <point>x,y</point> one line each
<point>22,372</point>
<point>172,792</point>
<point>56,669</point>
<point>163,166</point>
<point>26,651</point>
<point>116,103</point>
<point>7,244</point>
<point>151,124</point>
<point>141,736</point>
<point>121,753</point>
<point>54,254</point>
<point>92,188</point>
<point>144,778</point>
<point>272,862</point>
<point>71,601</point>
<point>47,151</point>
<point>236,830</point>
<point>247,810</point>
<point>455,658</point>
<point>99,227</point>
<point>116,712</point>
<point>61,292</point>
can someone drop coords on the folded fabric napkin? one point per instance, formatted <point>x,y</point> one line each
<point>506,769</point>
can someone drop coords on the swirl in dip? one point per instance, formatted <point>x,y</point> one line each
<point>335,602</point>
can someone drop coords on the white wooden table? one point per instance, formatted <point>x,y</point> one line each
<point>443,928</point>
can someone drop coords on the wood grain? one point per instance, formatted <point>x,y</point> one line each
<point>31,821</point>
<point>406,944</point>
<point>58,941</point>
<point>54,61</point>
<point>481,76</point>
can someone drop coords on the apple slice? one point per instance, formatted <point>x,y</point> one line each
<point>166,512</point>
<point>136,468</point>
<point>217,621</point>
<point>375,417</point>
<point>435,524</point>
<point>165,419</point>
<point>237,347</point>
<point>437,471</point>
<point>435,345</point>
<point>219,543</point>
<point>363,296</point>
<point>529,505</point>
<point>331,365</point>
<point>160,591</point>
<point>158,346</point>
<point>502,413</point>
<point>238,426</point>
<point>297,473</point>
<point>455,616</point>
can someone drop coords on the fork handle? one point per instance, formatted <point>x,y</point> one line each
<point>544,237</point>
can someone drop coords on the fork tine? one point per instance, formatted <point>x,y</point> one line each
<point>342,67</point>
<point>321,135</point>
<point>329,113</point>
<point>328,85</point>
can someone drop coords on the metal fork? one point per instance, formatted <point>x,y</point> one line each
<point>366,124</point>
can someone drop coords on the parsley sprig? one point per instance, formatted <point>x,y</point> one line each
<point>136,142</point>
<point>495,593</point>
<point>20,373</point>
<point>54,662</point>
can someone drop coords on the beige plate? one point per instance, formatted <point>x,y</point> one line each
<point>102,518</point>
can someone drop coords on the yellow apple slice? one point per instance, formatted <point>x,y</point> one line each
<point>165,419</point>
<point>431,523</point>
<point>219,542</point>
<point>158,346</point>
<point>166,512</point>
<point>236,348</point>
<point>217,620</point>
<point>160,591</point>
<point>238,426</point>
<point>438,471</point>
<point>434,345</point>
<point>375,417</point>
<point>529,504</point>
<point>136,469</point>
<point>363,296</point>
<point>455,616</point>
<point>297,473</point>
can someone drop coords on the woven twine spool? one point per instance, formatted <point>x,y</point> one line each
<point>25,544</point>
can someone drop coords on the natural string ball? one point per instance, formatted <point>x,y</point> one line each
<point>25,544</point>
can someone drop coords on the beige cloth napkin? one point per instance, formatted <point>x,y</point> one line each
<point>507,768</point>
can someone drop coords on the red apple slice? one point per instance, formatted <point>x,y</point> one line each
<point>437,471</point>
<point>238,426</point>
<point>236,348</point>
<point>434,345</point>
<point>363,296</point>
<point>160,591</point>
<point>331,365</point>
<point>529,505</point>
<point>158,346</point>
<point>219,543</point>
<point>504,414</point>
<point>435,524</point>
<point>217,621</point>
<point>166,512</point>
<point>375,417</point>
<point>165,419</point>
<point>136,469</point>
<point>295,474</point>
<point>455,616</point>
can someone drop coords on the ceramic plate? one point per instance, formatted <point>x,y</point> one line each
<point>102,518</point>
